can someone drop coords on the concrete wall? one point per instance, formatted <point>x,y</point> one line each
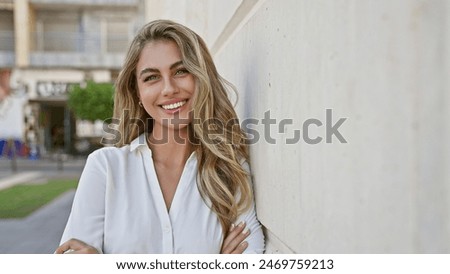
<point>207,18</point>
<point>383,65</point>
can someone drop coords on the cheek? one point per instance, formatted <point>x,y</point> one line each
<point>147,95</point>
<point>148,100</point>
<point>189,84</point>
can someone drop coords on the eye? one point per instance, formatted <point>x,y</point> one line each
<point>151,78</point>
<point>181,71</point>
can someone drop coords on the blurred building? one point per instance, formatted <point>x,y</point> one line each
<point>45,47</point>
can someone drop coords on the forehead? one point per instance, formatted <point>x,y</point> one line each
<point>159,54</point>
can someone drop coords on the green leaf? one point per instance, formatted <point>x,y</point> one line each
<point>94,102</point>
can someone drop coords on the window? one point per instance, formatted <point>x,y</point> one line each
<point>57,31</point>
<point>116,36</point>
<point>6,30</point>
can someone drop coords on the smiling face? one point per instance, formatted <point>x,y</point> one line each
<point>166,88</point>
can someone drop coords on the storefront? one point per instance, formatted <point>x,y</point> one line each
<point>49,122</point>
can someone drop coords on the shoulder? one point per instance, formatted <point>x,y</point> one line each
<point>106,151</point>
<point>113,156</point>
<point>110,154</point>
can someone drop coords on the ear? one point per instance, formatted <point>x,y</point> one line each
<point>138,96</point>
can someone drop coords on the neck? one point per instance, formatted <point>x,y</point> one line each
<point>170,146</point>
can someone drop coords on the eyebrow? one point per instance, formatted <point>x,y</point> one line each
<point>146,70</point>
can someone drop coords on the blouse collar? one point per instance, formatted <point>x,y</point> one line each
<point>141,142</point>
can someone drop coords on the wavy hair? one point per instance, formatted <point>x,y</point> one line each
<point>222,180</point>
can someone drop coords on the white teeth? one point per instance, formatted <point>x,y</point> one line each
<point>174,106</point>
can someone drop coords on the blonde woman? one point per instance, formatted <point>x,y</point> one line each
<point>178,180</point>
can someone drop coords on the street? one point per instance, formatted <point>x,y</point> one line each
<point>40,232</point>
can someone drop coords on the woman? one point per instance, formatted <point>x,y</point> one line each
<point>178,181</point>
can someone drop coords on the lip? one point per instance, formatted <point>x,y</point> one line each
<point>173,101</point>
<point>172,111</point>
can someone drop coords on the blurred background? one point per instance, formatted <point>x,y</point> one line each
<point>382,65</point>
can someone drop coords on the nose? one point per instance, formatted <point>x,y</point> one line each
<point>169,87</point>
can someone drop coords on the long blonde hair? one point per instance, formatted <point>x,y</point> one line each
<point>222,180</point>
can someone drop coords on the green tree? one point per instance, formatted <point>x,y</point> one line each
<point>94,102</point>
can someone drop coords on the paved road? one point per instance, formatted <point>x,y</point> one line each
<point>41,231</point>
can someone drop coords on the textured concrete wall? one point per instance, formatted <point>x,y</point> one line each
<point>207,18</point>
<point>383,65</point>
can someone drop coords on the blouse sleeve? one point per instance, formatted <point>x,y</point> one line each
<point>256,238</point>
<point>86,219</point>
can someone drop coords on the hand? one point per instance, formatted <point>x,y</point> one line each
<point>234,241</point>
<point>74,246</point>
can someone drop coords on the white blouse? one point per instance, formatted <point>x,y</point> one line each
<point>119,208</point>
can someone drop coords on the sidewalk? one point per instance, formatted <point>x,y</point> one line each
<point>41,231</point>
<point>51,167</point>
<point>38,233</point>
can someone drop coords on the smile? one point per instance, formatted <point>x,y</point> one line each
<point>174,105</point>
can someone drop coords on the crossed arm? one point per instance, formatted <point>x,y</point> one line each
<point>234,243</point>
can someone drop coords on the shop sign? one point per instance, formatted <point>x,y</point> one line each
<point>47,89</point>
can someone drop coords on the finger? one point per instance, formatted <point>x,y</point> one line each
<point>238,240</point>
<point>235,232</point>
<point>88,250</point>
<point>77,244</point>
<point>233,238</point>
<point>80,251</point>
<point>234,243</point>
<point>240,248</point>
<point>73,244</point>
<point>64,247</point>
